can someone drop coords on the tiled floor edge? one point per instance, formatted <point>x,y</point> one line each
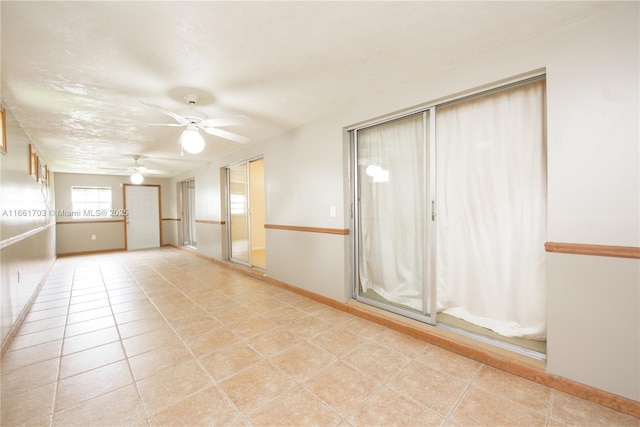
<point>6,343</point>
<point>522,366</point>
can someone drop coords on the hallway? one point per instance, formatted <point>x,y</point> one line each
<point>162,337</point>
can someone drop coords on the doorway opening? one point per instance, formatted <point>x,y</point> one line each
<point>246,212</point>
<point>449,218</point>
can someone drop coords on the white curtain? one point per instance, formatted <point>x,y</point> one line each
<point>491,228</point>
<point>391,210</point>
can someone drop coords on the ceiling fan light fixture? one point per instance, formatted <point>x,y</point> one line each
<point>137,178</point>
<point>191,140</point>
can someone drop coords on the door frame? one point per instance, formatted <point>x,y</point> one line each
<point>124,204</point>
<point>227,168</point>
<point>429,285</point>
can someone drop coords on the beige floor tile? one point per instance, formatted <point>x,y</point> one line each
<point>481,408</point>
<point>90,326</point>
<point>198,326</point>
<point>221,303</point>
<point>296,407</point>
<point>377,361</point>
<point>211,341</point>
<point>38,353</point>
<point>142,326</point>
<point>89,340</point>
<point>307,327</point>
<point>172,385</point>
<point>28,377</point>
<point>255,386</point>
<point>225,362</point>
<point>152,362</point>
<point>341,387</point>
<point>207,407</point>
<point>149,313</point>
<point>83,316</point>
<point>233,315</point>
<point>32,405</point>
<point>428,386</point>
<point>116,408</point>
<point>575,411</point>
<point>128,297</point>
<point>290,297</point>
<point>450,363</point>
<point>525,392</point>
<point>273,342</point>
<point>36,338</point>
<point>89,297</point>
<point>84,306</point>
<point>46,305</point>
<point>45,314</point>
<point>337,341</point>
<point>387,408</point>
<point>252,326</point>
<point>310,306</point>
<point>90,359</point>
<point>303,361</point>
<point>363,328</point>
<point>333,316</point>
<point>405,344</point>
<point>42,325</point>
<point>87,385</point>
<point>264,305</point>
<point>285,315</point>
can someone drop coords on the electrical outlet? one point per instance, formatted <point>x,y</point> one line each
<point>93,237</point>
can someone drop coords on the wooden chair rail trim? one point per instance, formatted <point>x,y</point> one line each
<point>597,250</point>
<point>208,221</point>
<point>92,221</point>
<point>339,231</point>
<point>171,219</point>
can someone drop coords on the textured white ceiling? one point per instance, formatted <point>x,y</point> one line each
<point>75,73</point>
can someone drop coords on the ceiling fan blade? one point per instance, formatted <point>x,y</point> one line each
<point>181,120</point>
<point>226,121</point>
<point>227,135</point>
<point>162,124</point>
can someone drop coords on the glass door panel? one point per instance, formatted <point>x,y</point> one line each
<point>239,231</point>
<point>393,217</point>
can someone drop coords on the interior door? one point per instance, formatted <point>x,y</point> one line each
<point>394,193</point>
<point>142,225</point>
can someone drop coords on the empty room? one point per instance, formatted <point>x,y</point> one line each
<point>320,213</point>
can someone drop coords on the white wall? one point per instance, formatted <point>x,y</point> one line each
<point>27,236</point>
<point>593,188</point>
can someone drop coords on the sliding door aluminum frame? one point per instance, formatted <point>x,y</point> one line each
<point>248,263</point>
<point>428,184</point>
<point>429,267</point>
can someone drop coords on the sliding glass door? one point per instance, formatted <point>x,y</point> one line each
<point>246,213</point>
<point>187,191</point>
<point>486,202</point>
<point>393,243</point>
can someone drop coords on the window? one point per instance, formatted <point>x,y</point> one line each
<point>89,202</point>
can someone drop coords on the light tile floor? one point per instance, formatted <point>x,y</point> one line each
<point>162,337</point>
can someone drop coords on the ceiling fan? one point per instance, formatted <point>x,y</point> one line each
<point>194,120</point>
<point>138,171</point>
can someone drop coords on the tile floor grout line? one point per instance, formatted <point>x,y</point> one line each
<point>124,350</point>
<point>197,360</point>
<point>60,355</point>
